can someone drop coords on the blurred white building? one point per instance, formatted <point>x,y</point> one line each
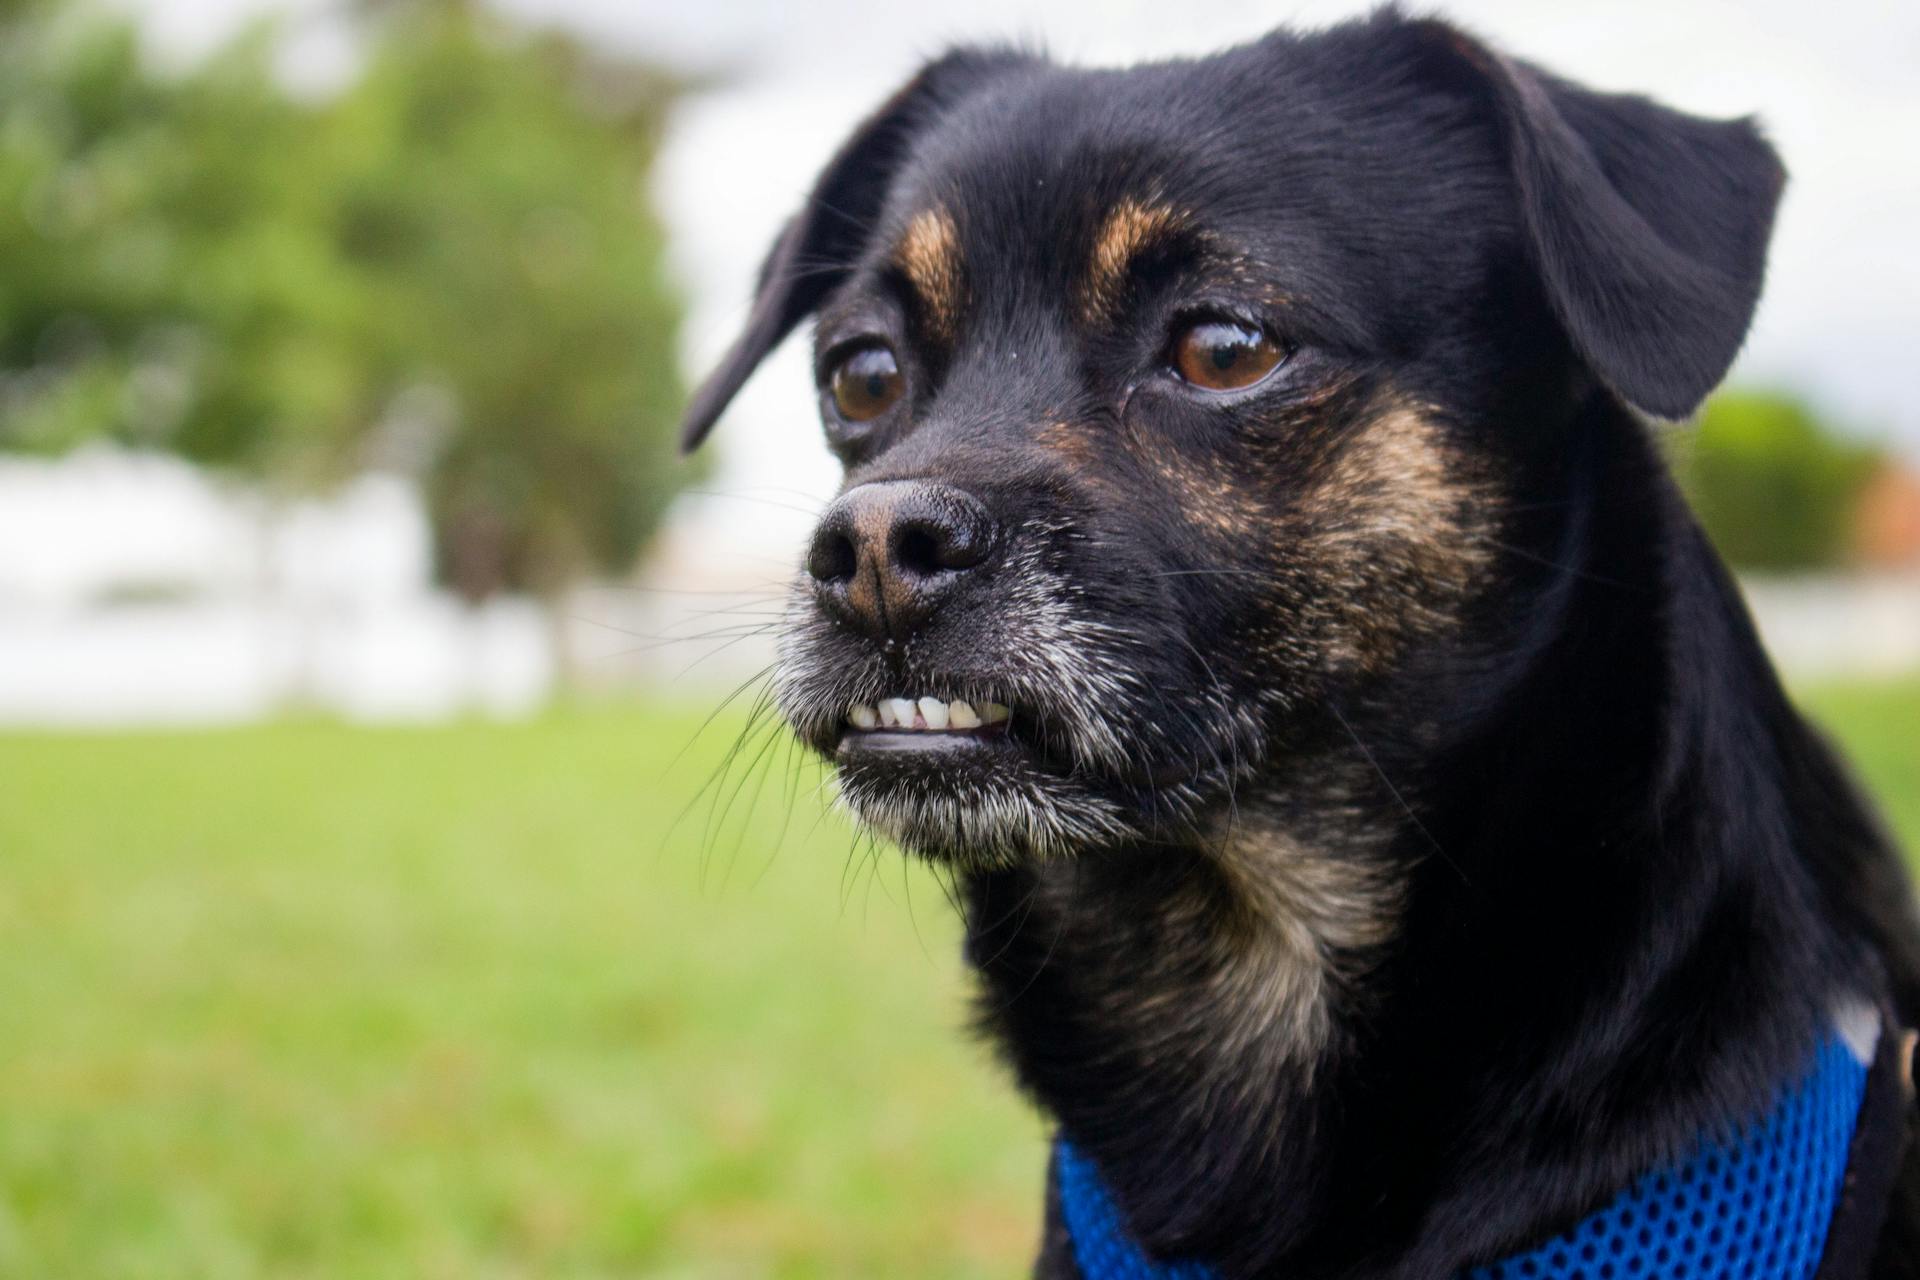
<point>135,589</point>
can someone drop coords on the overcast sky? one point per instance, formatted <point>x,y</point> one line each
<point>1837,85</point>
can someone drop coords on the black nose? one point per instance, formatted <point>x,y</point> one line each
<point>886,555</point>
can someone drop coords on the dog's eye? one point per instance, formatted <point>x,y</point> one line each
<point>1224,355</point>
<point>866,384</point>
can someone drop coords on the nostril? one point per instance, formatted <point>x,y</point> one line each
<point>928,546</point>
<point>918,550</point>
<point>832,557</point>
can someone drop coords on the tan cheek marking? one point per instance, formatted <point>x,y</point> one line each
<point>1235,500</point>
<point>1131,227</point>
<point>1212,499</point>
<point>1070,442</point>
<point>929,256</point>
<point>1394,536</point>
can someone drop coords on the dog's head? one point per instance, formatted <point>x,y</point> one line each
<point>1181,406</point>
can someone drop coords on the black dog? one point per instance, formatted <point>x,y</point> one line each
<point>1398,842</point>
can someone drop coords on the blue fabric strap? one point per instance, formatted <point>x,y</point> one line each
<point>1101,1244</point>
<point>1754,1205</point>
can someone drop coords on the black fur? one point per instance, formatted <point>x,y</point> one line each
<point>1402,839</point>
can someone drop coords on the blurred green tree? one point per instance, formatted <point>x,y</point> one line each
<point>1775,488</point>
<point>450,266</point>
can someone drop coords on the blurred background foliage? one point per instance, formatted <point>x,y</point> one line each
<point>1777,488</point>
<point>450,268</point>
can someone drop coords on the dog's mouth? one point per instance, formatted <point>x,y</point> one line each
<point>930,727</point>
<point>975,733</point>
<point>981,779</point>
<point>913,739</point>
<point>923,724</point>
<point>968,778</point>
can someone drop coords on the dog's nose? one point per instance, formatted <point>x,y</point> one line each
<point>886,555</point>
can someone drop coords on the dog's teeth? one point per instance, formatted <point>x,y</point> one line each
<point>927,714</point>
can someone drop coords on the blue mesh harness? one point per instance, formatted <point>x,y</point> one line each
<point>1755,1205</point>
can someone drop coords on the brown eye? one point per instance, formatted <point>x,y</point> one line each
<point>1224,355</point>
<point>866,384</point>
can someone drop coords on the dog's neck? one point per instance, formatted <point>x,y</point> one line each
<point>1331,1035</point>
<point>1198,1002</point>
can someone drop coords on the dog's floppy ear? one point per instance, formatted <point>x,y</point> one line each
<point>1648,227</point>
<point>820,243</point>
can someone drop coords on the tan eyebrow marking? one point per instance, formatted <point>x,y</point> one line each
<point>1132,226</point>
<point>929,256</point>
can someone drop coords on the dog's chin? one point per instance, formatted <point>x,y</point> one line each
<point>977,798</point>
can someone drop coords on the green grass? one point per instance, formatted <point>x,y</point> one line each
<point>1877,725</point>
<point>308,1000</point>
